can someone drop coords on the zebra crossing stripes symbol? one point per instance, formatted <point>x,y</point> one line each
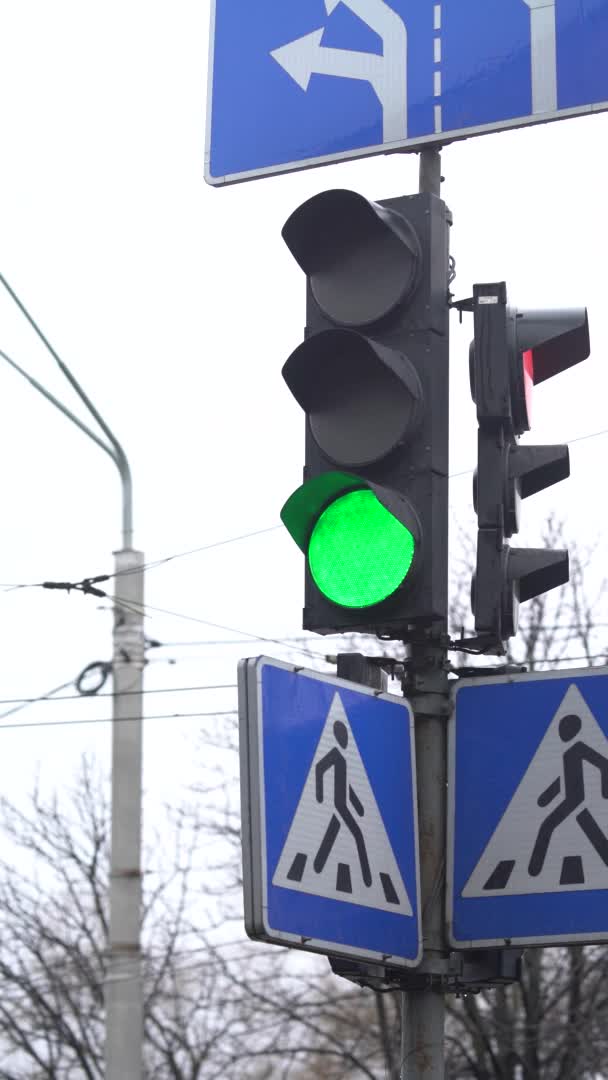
<point>337,845</point>
<point>553,835</point>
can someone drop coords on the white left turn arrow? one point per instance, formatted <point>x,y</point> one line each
<point>305,55</point>
<point>387,73</point>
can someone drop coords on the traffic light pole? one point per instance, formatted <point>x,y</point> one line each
<point>429,173</point>
<point>423,1010</point>
<point>426,687</point>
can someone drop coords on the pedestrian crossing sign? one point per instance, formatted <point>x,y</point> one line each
<point>531,752</point>
<point>328,800</point>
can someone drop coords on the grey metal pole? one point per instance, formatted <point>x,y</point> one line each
<point>123,988</point>
<point>123,997</point>
<point>429,174</point>
<point>424,1010</point>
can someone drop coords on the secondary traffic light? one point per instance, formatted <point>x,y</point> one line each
<point>513,351</point>
<point>372,379</point>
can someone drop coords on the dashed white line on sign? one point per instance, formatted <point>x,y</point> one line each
<point>437,61</point>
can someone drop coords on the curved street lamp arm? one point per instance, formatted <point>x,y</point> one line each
<point>59,405</point>
<point>116,451</point>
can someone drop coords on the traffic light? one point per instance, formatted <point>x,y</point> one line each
<point>372,379</point>
<point>511,353</point>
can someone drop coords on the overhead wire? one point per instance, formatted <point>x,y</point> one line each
<point>567,627</point>
<point>144,609</point>
<point>110,693</point>
<point>152,564</point>
<point>234,712</point>
<point>116,719</point>
<point>49,695</point>
<point>20,703</point>
<point>292,642</point>
<point>245,641</point>
<point>577,438</point>
<point>279,641</point>
<point>24,702</point>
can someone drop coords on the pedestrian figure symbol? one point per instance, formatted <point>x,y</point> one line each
<point>336,761</point>
<point>574,795</point>
<point>337,845</point>
<point>553,834</point>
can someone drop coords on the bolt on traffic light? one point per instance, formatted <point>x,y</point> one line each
<point>372,379</point>
<point>512,352</point>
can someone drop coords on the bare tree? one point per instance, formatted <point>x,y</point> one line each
<point>53,926</point>
<point>215,1004</point>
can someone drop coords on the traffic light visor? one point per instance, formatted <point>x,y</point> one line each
<point>362,399</point>
<point>361,540</point>
<point>546,343</point>
<point>362,260</point>
<point>558,339</point>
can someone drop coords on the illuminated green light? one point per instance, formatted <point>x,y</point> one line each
<point>359,553</point>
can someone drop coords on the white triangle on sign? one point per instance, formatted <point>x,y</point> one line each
<point>337,846</point>
<point>566,787</point>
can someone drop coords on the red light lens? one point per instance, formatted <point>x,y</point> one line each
<point>528,359</point>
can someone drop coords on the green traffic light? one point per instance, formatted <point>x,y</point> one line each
<point>359,553</point>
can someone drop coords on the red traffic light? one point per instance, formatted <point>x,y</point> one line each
<point>542,343</point>
<point>514,350</point>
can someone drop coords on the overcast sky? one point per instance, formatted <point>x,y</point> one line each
<point>176,305</point>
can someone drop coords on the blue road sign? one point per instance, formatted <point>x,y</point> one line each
<point>300,84</point>
<point>328,803</point>
<point>528,810</point>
